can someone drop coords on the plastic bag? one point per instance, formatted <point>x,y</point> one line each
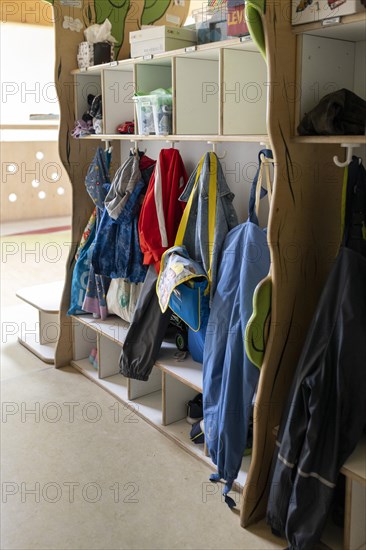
<point>122,298</point>
<point>100,33</point>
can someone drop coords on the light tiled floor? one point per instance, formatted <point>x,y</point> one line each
<point>12,228</point>
<point>74,480</point>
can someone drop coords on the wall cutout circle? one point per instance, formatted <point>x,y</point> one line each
<point>11,168</point>
<point>35,183</point>
<point>12,197</point>
<point>39,155</point>
<point>60,190</point>
<point>41,195</point>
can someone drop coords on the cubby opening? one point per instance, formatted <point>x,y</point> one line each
<point>328,64</point>
<point>119,89</point>
<point>197,96</point>
<point>244,92</point>
<point>85,84</point>
<point>84,341</point>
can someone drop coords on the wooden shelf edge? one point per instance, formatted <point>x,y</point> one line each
<point>97,325</point>
<point>244,42</point>
<point>317,25</point>
<point>165,368</point>
<point>330,139</point>
<point>252,138</point>
<point>29,296</point>
<point>39,350</point>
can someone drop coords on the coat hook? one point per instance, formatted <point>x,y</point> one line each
<point>265,145</point>
<point>214,145</point>
<point>350,147</point>
<point>108,146</point>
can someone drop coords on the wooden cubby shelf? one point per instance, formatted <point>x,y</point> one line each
<point>46,300</point>
<point>175,138</point>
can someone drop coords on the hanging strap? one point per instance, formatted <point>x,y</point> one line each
<point>212,202</point>
<point>257,192</point>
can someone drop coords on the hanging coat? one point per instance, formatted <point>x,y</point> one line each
<point>229,378</point>
<point>97,182</point>
<point>145,335</point>
<point>196,233</point>
<point>117,252</point>
<point>161,210</point>
<point>326,410</point>
<point>159,221</point>
<point>123,184</point>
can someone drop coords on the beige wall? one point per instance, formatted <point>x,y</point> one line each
<point>22,155</point>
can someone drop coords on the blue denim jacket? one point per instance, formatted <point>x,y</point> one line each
<point>196,234</point>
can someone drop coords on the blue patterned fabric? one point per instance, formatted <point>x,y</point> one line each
<point>97,183</point>
<point>117,252</point>
<point>97,176</point>
<point>95,300</point>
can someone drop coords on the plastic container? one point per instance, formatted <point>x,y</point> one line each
<point>211,23</point>
<point>145,115</point>
<point>162,111</point>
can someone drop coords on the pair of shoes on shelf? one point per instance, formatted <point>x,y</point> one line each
<point>195,409</point>
<point>93,358</point>
<point>197,434</point>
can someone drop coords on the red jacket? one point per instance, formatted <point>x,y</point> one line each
<point>161,210</point>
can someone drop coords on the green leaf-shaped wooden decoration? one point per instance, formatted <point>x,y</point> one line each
<point>153,11</point>
<point>116,11</point>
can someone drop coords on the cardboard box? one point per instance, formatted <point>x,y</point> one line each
<point>308,11</point>
<point>152,40</point>
<point>236,24</point>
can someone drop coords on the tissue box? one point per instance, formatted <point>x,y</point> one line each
<point>153,40</point>
<point>94,54</point>
<point>306,11</point>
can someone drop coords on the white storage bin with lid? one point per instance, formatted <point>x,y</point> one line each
<point>306,11</point>
<point>157,39</point>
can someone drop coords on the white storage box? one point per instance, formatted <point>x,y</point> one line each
<point>308,11</point>
<point>152,40</point>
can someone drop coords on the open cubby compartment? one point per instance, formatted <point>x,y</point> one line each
<point>244,86</point>
<point>151,75</point>
<point>147,396</point>
<point>84,340</point>
<point>85,84</point>
<point>108,356</point>
<point>118,91</point>
<point>197,93</point>
<point>328,64</point>
<point>176,395</point>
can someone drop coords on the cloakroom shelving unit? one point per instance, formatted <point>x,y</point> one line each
<point>304,217</point>
<point>162,399</point>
